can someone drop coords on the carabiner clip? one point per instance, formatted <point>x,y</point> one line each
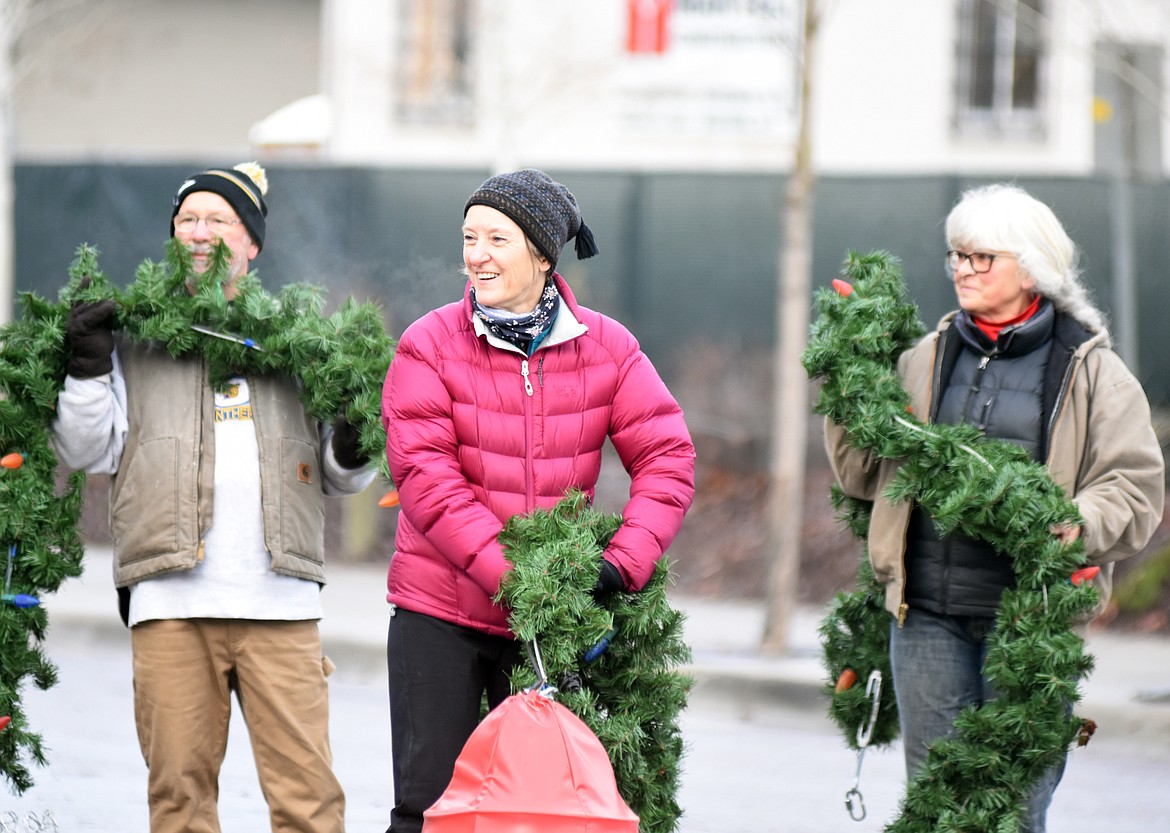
<point>855,805</point>
<point>542,684</point>
<point>873,690</point>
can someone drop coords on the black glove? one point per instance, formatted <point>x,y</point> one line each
<point>89,331</point>
<point>347,444</point>
<point>609,581</point>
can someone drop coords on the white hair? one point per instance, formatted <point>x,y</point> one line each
<point>1006,218</point>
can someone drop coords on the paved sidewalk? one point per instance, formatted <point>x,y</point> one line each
<point>1128,694</point>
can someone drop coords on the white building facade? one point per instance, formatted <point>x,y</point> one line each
<point>1044,87</point>
<point>899,86</point>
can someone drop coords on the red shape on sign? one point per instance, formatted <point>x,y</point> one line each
<point>649,25</point>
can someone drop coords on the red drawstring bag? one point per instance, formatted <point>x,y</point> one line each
<point>531,766</point>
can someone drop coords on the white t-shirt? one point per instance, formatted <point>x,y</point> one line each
<point>235,579</point>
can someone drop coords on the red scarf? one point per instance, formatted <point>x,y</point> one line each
<point>993,329</point>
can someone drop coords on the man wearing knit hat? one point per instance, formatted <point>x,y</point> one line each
<point>225,205</point>
<point>495,406</point>
<point>217,515</point>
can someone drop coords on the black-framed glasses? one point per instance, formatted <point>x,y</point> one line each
<point>187,223</point>
<point>980,261</point>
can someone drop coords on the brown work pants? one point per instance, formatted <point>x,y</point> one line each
<point>184,673</point>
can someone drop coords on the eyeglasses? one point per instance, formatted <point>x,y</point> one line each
<point>980,261</point>
<point>187,223</point>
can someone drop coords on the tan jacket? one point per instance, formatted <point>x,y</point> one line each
<point>161,495</point>
<point>1103,452</point>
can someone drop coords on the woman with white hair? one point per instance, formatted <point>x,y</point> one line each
<point>1025,359</point>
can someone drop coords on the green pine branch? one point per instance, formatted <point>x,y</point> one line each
<point>631,695</point>
<point>40,545</point>
<point>341,359</point>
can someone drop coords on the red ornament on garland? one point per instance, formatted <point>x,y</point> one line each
<point>846,680</point>
<point>12,460</point>
<point>844,288</point>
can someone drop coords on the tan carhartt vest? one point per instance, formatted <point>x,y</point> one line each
<point>161,497</point>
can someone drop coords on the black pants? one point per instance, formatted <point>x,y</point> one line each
<point>438,673</point>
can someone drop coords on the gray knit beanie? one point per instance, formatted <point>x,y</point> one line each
<point>543,208</point>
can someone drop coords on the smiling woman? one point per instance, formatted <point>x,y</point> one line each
<point>495,406</point>
<point>506,270</point>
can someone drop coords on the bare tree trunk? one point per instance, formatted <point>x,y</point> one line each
<point>9,12</point>
<point>7,236</point>
<point>790,388</point>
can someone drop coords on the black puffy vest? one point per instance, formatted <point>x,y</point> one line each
<point>1007,390</point>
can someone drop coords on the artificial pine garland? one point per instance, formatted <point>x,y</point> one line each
<point>628,693</point>
<point>340,360</point>
<point>39,539</point>
<point>977,779</point>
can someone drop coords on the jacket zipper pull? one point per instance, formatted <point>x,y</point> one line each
<point>527,381</point>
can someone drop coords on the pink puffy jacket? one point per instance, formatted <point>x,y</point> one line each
<point>476,432</point>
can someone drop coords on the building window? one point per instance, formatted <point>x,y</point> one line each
<point>434,75</point>
<point>1000,68</point>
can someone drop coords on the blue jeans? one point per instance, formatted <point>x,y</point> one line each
<point>937,663</point>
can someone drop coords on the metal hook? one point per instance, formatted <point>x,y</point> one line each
<point>542,684</point>
<point>855,805</point>
<point>873,690</point>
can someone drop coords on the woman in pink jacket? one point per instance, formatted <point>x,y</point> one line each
<point>494,406</point>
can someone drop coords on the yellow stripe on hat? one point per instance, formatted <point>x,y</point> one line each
<point>238,183</point>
